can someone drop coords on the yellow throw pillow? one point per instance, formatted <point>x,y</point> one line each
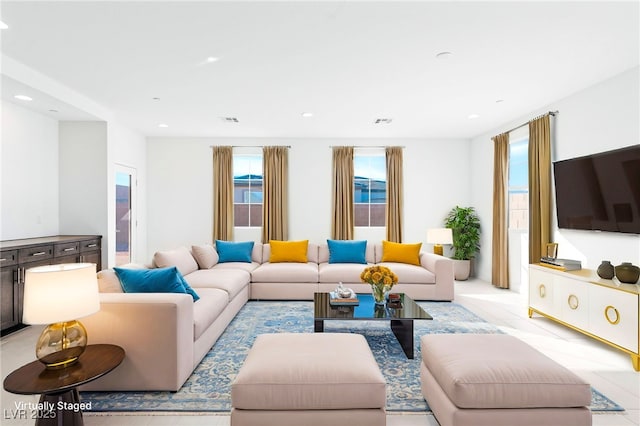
<point>288,251</point>
<point>401,253</point>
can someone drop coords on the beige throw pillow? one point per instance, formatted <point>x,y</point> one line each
<point>205,255</point>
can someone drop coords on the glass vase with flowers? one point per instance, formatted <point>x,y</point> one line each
<point>381,279</point>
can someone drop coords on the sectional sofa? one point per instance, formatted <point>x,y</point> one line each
<point>166,335</point>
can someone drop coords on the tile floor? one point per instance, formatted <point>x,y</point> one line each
<point>607,369</point>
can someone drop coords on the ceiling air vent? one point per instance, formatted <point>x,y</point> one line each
<point>382,121</point>
<point>230,119</point>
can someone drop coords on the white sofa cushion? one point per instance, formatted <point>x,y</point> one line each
<point>410,274</point>
<point>285,272</point>
<point>232,281</point>
<point>340,272</point>
<point>181,258</point>
<point>205,311</point>
<point>248,267</point>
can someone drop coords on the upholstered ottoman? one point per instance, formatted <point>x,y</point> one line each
<point>294,379</point>
<point>498,380</point>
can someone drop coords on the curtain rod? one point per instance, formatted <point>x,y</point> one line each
<point>250,146</point>
<point>551,113</point>
<point>365,147</point>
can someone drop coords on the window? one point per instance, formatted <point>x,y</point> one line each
<point>519,184</point>
<point>370,187</point>
<point>247,190</point>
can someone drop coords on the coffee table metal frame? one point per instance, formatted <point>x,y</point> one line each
<point>400,316</point>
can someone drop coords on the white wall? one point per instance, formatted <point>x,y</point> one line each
<point>602,117</point>
<point>179,196</point>
<point>83,179</point>
<point>29,159</point>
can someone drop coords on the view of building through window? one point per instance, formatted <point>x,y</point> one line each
<point>519,184</point>
<point>247,190</point>
<point>370,192</point>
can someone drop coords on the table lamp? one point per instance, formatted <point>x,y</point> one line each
<point>57,295</point>
<point>438,237</point>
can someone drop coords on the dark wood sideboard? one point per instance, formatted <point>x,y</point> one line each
<point>16,256</point>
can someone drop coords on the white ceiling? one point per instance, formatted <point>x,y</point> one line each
<point>347,62</point>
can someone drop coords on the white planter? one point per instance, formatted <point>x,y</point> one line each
<point>461,269</point>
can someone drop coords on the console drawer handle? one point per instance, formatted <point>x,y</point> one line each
<point>40,253</point>
<point>542,290</point>
<point>92,245</point>
<point>607,311</point>
<point>573,301</point>
<point>69,249</point>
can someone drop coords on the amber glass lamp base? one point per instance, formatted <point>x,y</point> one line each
<point>61,343</point>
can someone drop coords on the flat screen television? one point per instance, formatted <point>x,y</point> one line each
<point>600,191</point>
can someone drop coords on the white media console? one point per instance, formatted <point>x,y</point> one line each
<point>602,309</point>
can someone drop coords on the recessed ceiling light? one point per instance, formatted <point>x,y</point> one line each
<point>499,101</point>
<point>383,121</point>
<point>212,59</point>
<point>473,116</point>
<point>155,98</point>
<point>53,110</point>
<point>163,125</point>
<point>444,55</point>
<point>23,97</point>
<point>230,119</point>
<point>3,26</point>
<point>307,114</point>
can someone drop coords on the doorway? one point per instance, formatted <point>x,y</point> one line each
<point>126,223</point>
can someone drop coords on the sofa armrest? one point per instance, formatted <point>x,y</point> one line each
<point>156,332</point>
<point>442,267</point>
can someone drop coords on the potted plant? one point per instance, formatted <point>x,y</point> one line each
<point>465,226</point>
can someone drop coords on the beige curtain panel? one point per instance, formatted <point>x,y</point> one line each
<point>342,208</point>
<point>222,193</point>
<point>395,189</point>
<point>499,246</point>
<point>275,193</point>
<point>539,187</point>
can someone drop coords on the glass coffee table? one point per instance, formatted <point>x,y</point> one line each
<point>400,315</point>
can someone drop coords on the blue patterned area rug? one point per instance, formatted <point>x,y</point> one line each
<point>208,389</point>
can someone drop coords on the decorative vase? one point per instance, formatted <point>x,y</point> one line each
<point>605,270</point>
<point>380,294</point>
<point>627,273</point>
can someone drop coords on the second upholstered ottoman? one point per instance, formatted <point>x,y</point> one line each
<point>499,380</point>
<point>312,379</point>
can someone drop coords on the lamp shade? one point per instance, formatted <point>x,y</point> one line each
<point>439,236</point>
<point>59,293</point>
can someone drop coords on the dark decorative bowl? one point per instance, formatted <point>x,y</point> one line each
<point>627,273</point>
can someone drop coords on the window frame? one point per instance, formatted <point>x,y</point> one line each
<point>370,153</point>
<point>252,156</point>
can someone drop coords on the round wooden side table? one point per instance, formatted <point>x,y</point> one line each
<point>60,402</point>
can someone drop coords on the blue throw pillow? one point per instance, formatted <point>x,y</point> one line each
<point>159,280</point>
<point>229,251</point>
<point>347,251</point>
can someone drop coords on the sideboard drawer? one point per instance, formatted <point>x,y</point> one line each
<point>32,254</point>
<point>8,258</point>
<point>89,245</point>
<point>66,249</point>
